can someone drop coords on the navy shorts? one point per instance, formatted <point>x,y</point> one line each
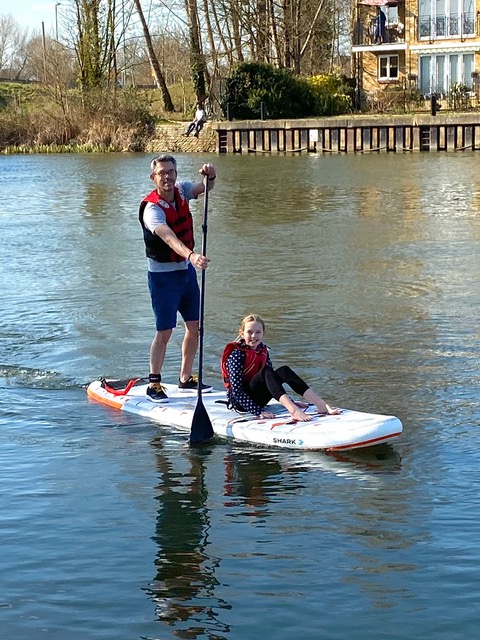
<point>174,292</point>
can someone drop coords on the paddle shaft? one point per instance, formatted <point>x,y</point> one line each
<point>202,288</point>
<point>201,429</point>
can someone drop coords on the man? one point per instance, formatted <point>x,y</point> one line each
<point>172,280</point>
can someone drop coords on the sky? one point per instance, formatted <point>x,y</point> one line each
<point>31,14</point>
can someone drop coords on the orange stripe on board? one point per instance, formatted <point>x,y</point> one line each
<point>110,403</point>
<point>364,442</point>
<point>277,424</point>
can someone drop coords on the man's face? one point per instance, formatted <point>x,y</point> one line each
<point>164,177</point>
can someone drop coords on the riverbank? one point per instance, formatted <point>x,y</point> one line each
<point>166,138</point>
<point>342,134</point>
<point>352,134</point>
<point>171,138</point>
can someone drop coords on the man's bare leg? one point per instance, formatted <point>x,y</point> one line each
<point>189,349</point>
<point>158,349</point>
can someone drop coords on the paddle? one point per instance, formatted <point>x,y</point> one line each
<point>201,429</point>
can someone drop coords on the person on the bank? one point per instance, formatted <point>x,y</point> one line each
<point>252,381</point>
<point>172,280</point>
<point>197,122</point>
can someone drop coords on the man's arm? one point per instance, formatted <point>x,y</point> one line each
<point>164,232</point>
<point>206,170</point>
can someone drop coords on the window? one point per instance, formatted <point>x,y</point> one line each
<point>438,73</point>
<point>445,19</point>
<point>391,14</point>
<point>388,67</point>
<point>425,80</point>
<point>468,68</point>
<point>454,69</point>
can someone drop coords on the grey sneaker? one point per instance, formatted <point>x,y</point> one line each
<point>192,385</point>
<point>156,392</point>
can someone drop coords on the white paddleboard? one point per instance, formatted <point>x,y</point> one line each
<point>348,430</point>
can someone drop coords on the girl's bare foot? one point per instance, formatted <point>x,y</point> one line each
<point>299,416</point>
<point>301,405</point>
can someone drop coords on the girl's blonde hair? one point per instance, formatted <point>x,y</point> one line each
<point>252,317</point>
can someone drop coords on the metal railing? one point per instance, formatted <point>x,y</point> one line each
<point>446,26</point>
<point>372,32</point>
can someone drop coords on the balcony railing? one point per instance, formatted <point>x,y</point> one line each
<point>372,32</point>
<point>446,26</point>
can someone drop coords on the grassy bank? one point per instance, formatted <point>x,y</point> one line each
<point>36,118</point>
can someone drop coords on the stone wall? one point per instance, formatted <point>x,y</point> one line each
<point>170,138</point>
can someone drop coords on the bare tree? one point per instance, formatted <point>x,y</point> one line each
<point>198,66</point>
<point>13,49</point>
<point>157,72</point>
<point>280,32</point>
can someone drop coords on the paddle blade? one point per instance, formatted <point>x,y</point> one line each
<point>202,429</point>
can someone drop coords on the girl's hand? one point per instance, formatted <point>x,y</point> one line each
<point>333,411</point>
<point>324,408</point>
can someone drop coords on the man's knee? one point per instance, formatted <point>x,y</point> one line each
<point>192,327</point>
<point>163,336</point>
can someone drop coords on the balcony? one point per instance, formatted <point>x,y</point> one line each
<point>372,33</point>
<point>446,26</point>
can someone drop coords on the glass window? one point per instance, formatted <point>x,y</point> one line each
<point>393,66</point>
<point>425,79</point>
<point>391,14</point>
<point>383,65</point>
<point>440,19</point>
<point>388,67</point>
<point>425,18</point>
<point>468,67</point>
<point>468,18</point>
<point>445,18</point>
<point>440,84</point>
<point>453,24</point>
<point>434,69</point>
<point>453,69</point>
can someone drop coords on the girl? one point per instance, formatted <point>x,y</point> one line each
<point>252,381</point>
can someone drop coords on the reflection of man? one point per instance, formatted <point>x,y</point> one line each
<point>184,578</point>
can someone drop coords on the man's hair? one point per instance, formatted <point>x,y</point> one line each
<point>163,157</point>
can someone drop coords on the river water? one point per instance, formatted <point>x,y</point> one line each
<point>366,270</point>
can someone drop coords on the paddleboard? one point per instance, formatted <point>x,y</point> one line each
<point>348,430</point>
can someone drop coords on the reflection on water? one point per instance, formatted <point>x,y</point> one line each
<point>253,487</point>
<point>255,483</point>
<point>366,271</point>
<point>185,572</point>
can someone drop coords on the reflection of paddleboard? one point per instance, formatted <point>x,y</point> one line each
<point>348,430</point>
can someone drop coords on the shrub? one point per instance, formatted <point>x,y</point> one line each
<point>284,94</point>
<point>332,94</point>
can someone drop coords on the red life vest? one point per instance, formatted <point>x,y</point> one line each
<point>178,218</point>
<point>254,361</point>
